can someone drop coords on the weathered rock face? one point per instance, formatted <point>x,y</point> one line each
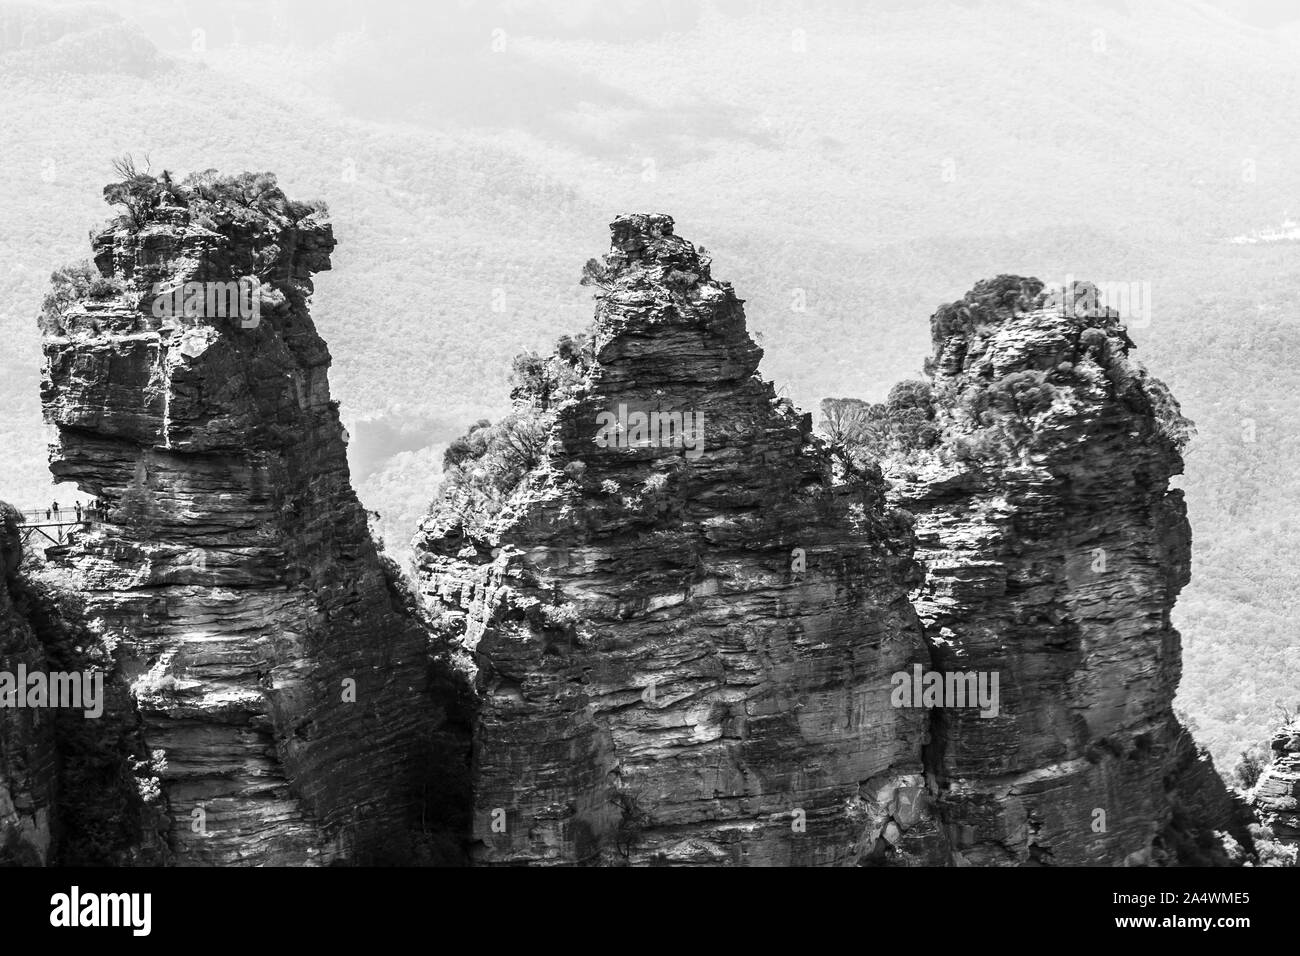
<point>689,619</point>
<point>267,653</point>
<point>1054,550</point>
<point>665,680</point>
<point>75,776</point>
<point>1276,796</point>
<point>28,751</point>
<point>684,648</point>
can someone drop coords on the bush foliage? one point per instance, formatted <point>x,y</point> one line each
<point>860,432</point>
<point>484,467</point>
<point>244,199</point>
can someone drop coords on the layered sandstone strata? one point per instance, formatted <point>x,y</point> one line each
<point>684,648</point>
<point>1054,549</point>
<point>274,668</point>
<point>660,685</point>
<point>1276,796</point>
<point>76,777</point>
<point>686,613</point>
<point>28,752</point>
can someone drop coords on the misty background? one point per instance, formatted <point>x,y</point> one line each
<point>849,165</point>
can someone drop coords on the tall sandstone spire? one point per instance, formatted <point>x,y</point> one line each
<point>267,651</point>
<point>683,647</point>
<point>1054,549</point>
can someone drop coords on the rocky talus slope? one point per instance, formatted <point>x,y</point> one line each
<point>683,653</point>
<point>1276,796</point>
<point>266,648</point>
<point>1054,549</point>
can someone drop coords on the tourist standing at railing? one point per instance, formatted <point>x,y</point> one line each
<point>78,507</point>
<point>55,509</point>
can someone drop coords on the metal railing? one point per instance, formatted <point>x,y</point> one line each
<point>55,526</point>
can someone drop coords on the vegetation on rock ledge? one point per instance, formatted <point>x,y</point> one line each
<point>482,468</point>
<point>213,200</point>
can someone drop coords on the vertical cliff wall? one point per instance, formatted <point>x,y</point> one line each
<point>1054,549</point>
<point>266,647</point>
<point>76,785</point>
<point>28,752</point>
<point>684,645</point>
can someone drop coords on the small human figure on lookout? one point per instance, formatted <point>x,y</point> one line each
<point>47,514</point>
<point>55,508</point>
<point>78,506</point>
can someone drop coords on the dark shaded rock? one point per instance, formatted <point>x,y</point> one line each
<point>28,749</point>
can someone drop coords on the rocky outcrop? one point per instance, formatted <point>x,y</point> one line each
<point>28,749</point>
<point>697,633</point>
<point>1276,795</point>
<point>684,634</point>
<point>276,671</point>
<point>1054,550</point>
<point>687,649</point>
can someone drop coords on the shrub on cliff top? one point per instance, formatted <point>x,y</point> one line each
<point>213,199</point>
<point>982,305</point>
<point>137,192</point>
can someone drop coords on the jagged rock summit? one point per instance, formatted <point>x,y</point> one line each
<point>683,632</point>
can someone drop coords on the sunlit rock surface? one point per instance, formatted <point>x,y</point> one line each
<point>1276,795</point>
<point>272,663</point>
